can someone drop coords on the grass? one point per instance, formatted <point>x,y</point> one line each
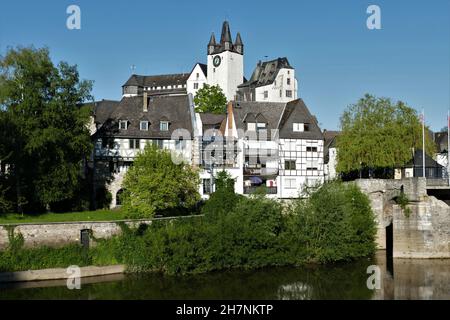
<point>99,215</point>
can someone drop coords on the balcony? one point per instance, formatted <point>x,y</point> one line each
<point>252,189</point>
<point>250,171</point>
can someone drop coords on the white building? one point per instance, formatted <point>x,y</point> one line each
<point>268,137</point>
<point>272,81</point>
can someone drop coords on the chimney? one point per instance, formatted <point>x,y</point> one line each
<point>145,108</point>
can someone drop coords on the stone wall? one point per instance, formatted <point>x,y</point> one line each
<point>425,233</point>
<point>60,234</point>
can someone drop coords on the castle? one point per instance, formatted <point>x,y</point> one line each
<point>276,141</point>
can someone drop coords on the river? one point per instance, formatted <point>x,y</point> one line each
<point>412,279</point>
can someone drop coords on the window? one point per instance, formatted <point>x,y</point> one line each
<point>289,164</point>
<point>288,93</point>
<point>281,93</point>
<point>144,125</point>
<point>207,188</point>
<point>288,81</point>
<point>134,144</point>
<point>298,127</point>
<point>197,75</point>
<point>251,126</point>
<point>164,126</point>
<point>261,126</point>
<point>180,144</point>
<point>123,124</point>
<point>311,149</point>
<point>196,85</point>
<point>266,94</point>
<point>290,184</point>
<point>160,143</point>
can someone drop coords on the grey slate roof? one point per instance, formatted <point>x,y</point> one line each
<point>330,142</point>
<point>211,120</point>
<point>102,110</point>
<point>226,42</point>
<point>157,80</point>
<point>279,116</point>
<point>175,109</point>
<point>265,73</point>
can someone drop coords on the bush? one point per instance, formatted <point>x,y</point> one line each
<point>155,183</point>
<point>335,223</point>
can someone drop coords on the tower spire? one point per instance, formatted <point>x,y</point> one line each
<point>225,38</point>
<point>212,44</point>
<point>238,45</point>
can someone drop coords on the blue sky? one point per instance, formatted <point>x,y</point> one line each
<point>337,59</point>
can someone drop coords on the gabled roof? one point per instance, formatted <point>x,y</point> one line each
<point>101,110</point>
<point>279,116</point>
<point>417,161</point>
<point>203,67</point>
<point>265,73</point>
<point>175,109</point>
<point>157,80</point>
<point>297,112</point>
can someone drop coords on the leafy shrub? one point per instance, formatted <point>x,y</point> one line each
<point>335,223</point>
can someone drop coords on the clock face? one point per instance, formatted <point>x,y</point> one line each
<point>216,61</point>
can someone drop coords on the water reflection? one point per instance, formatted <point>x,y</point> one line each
<point>414,279</point>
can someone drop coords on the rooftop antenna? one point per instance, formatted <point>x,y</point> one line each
<point>132,68</point>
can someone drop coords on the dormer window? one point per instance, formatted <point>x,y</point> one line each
<point>164,125</point>
<point>144,125</point>
<point>251,126</point>
<point>123,124</point>
<point>300,127</point>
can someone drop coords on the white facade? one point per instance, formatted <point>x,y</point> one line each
<point>196,80</point>
<point>229,74</point>
<point>283,89</point>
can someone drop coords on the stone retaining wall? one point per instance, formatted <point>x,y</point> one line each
<point>60,234</point>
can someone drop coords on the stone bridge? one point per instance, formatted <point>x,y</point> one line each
<point>424,233</point>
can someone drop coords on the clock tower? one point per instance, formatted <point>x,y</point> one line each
<point>226,62</point>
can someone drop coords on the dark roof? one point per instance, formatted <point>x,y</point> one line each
<point>279,116</point>
<point>265,73</point>
<point>297,112</point>
<point>211,121</point>
<point>330,142</point>
<point>226,33</point>
<point>330,138</point>
<point>226,42</point>
<point>247,111</point>
<point>102,109</point>
<point>417,160</point>
<point>157,80</point>
<point>212,118</point>
<point>175,109</point>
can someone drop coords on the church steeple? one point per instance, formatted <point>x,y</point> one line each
<point>212,44</point>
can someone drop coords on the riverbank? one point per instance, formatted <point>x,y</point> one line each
<point>59,273</point>
<point>413,279</point>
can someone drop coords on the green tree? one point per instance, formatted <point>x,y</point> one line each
<point>155,182</point>
<point>377,133</point>
<point>210,99</point>
<point>44,137</point>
